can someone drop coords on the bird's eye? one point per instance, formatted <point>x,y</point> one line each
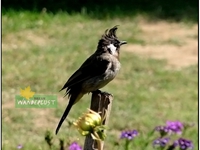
<point>116,45</point>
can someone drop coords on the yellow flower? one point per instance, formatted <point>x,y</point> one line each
<point>88,122</point>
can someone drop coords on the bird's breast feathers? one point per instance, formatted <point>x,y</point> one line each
<point>100,81</point>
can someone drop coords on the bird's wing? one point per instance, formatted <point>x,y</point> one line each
<point>93,66</point>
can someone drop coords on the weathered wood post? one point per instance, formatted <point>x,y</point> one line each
<point>101,102</point>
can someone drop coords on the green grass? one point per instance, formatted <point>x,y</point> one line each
<point>43,50</point>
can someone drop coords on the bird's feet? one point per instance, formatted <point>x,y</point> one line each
<point>102,92</point>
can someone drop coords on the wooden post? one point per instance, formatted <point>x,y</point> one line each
<point>101,102</point>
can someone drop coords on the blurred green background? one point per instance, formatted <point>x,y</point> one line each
<point>102,9</point>
<point>44,42</point>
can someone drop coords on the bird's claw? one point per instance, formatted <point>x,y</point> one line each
<point>102,92</point>
<point>96,92</point>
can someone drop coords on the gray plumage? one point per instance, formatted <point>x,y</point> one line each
<point>97,71</point>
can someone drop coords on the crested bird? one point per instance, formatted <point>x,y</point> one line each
<point>97,71</point>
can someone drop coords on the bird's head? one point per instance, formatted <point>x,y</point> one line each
<point>109,43</point>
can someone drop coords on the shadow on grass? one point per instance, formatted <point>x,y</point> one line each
<point>175,10</point>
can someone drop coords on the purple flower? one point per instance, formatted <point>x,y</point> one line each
<point>129,134</point>
<point>163,130</point>
<point>74,146</point>
<point>184,144</point>
<point>161,142</point>
<point>19,146</point>
<point>175,126</point>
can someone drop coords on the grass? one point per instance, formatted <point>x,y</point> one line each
<point>42,50</point>
<point>174,10</point>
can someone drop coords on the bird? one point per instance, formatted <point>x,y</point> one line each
<point>96,72</point>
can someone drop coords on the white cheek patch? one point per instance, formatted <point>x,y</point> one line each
<point>112,48</point>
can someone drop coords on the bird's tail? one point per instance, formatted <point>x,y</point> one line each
<point>69,106</point>
<point>73,99</point>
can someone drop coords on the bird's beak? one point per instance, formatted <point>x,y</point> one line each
<point>123,42</point>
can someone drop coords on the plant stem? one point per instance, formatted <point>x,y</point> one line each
<point>146,143</point>
<point>127,144</point>
<point>98,141</point>
<point>99,144</point>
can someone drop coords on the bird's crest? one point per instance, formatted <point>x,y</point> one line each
<point>109,41</point>
<point>107,37</point>
<point>110,34</point>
